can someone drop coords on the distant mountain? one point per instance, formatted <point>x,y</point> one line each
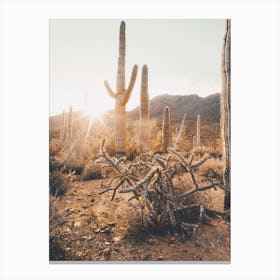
<point>208,107</point>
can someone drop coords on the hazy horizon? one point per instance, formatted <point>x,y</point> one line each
<point>183,57</point>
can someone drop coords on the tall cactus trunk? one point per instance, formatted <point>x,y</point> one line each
<point>62,127</point>
<point>144,111</point>
<point>70,123</point>
<point>121,95</point>
<point>166,130</point>
<point>225,109</point>
<point>120,128</point>
<point>198,131</point>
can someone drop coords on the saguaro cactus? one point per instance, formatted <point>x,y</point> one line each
<point>70,123</point>
<point>144,110</point>
<point>198,131</point>
<point>166,129</point>
<point>62,127</point>
<point>121,95</point>
<point>225,109</point>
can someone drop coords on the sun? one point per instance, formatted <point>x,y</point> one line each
<point>95,112</point>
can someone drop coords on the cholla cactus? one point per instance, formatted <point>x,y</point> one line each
<point>62,127</point>
<point>70,123</point>
<point>121,95</point>
<point>144,110</point>
<point>198,131</point>
<point>166,130</point>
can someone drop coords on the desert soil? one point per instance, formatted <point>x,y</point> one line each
<point>87,226</point>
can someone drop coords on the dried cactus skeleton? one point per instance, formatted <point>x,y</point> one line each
<point>149,180</point>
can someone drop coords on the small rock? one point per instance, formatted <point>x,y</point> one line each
<point>107,243</point>
<point>97,230</point>
<point>107,251</point>
<point>117,239</point>
<point>77,224</point>
<point>160,258</point>
<point>151,241</point>
<point>105,230</point>
<point>92,200</point>
<point>79,198</point>
<point>85,206</point>
<point>87,237</point>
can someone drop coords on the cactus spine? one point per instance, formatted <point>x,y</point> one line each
<point>144,110</point>
<point>62,127</point>
<point>70,123</point>
<point>166,130</point>
<point>225,109</point>
<point>121,95</point>
<point>198,131</point>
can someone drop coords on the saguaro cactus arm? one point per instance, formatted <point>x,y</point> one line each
<point>131,85</point>
<point>109,90</point>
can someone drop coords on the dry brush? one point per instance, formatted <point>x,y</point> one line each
<point>149,180</point>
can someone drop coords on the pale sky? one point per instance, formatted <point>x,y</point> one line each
<point>183,57</point>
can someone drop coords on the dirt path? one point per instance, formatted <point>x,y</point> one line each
<point>88,226</point>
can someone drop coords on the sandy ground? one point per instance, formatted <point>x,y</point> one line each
<point>87,226</point>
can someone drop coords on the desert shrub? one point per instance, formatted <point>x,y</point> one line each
<point>155,143</point>
<point>56,220</point>
<point>54,147</point>
<point>92,171</point>
<point>58,183</point>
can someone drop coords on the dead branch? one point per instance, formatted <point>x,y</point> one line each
<point>150,177</point>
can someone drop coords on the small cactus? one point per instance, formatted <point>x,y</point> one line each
<point>166,130</point>
<point>121,95</point>
<point>198,131</point>
<point>62,127</point>
<point>144,110</point>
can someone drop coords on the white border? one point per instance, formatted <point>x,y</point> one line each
<point>24,138</point>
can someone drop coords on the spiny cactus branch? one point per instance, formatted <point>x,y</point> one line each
<point>131,85</point>
<point>109,90</point>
